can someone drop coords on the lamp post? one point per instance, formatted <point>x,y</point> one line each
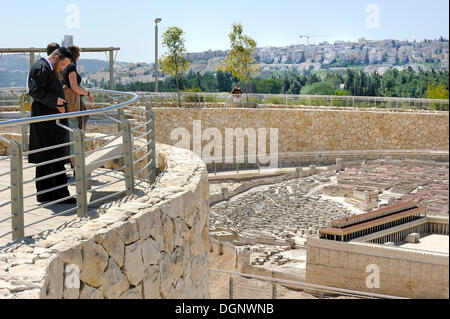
<point>157,20</point>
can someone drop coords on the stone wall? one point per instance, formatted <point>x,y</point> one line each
<point>241,263</point>
<point>317,130</point>
<point>154,246</point>
<point>403,272</point>
<point>248,183</point>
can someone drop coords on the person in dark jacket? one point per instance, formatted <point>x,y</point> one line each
<point>237,93</point>
<point>46,89</point>
<point>237,90</point>
<point>50,48</point>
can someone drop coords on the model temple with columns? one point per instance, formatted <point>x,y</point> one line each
<point>388,224</point>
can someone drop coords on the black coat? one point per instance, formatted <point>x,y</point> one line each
<point>45,88</point>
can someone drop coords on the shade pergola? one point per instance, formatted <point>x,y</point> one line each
<point>32,51</point>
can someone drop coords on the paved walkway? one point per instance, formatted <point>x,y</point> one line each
<point>430,242</point>
<point>255,173</point>
<point>38,212</point>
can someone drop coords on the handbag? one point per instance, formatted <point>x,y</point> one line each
<point>82,120</point>
<point>73,99</point>
<point>25,102</point>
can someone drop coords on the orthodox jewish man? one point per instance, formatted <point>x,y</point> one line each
<point>46,89</point>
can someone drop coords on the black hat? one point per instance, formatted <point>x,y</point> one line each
<point>65,53</point>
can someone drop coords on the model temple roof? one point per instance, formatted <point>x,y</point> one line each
<point>388,210</point>
<point>372,222</point>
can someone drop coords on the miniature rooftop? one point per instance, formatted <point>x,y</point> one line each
<point>388,210</point>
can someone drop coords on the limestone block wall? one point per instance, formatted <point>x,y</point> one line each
<point>403,272</point>
<point>246,185</point>
<point>153,246</point>
<point>239,261</point>
<point>316,130</point>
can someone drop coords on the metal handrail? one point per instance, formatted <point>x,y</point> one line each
<point>44,118</point>
<point>126,152</point>
<point>287,99</point>
<point>301,96</point>
<point>309,286</point>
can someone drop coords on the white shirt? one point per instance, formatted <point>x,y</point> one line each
<point>51,66</point>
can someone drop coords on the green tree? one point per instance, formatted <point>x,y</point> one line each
<point>269,86</point>
<point>223,81</point>
<point>349,80</point>
<point>286,84</point>
<point>438,92</point>
<point>341,93</point>
<point>173,62</point>
<point>240,62</point>
<point>295,86</point>
<point>313,78</point>
<point>318,88</point>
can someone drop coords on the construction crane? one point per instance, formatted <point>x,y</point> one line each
<point>307,36</point>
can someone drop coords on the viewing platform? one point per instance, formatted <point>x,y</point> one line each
<point>39,211</point>
<point>113,158</point>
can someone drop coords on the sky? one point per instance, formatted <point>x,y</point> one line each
<point>130,24</point>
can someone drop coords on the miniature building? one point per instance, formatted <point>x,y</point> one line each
<point>409,248</point>
<point>364,198</point>
<point>365,195</point>
<point>372,226</point>
<point>337,190</point>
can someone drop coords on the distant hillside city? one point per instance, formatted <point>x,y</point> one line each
<point>373,55</point>
<point>368,56</point>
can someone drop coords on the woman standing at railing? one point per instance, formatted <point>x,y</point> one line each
<point>74,93</point>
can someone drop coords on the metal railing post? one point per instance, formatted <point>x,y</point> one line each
<point>24,131</point>
<point>230,286</point>
<point>16,163</point>
<point>80,171</point>
<point>128,158</point>
<point>274,290</point>
<point>120,116</point>
<point>151,140</point>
